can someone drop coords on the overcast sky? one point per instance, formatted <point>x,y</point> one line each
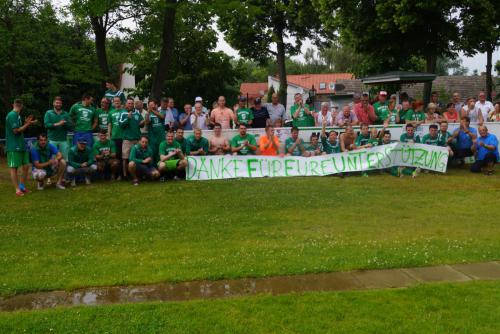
<point>478,62</point>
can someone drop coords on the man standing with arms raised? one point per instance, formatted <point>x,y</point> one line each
<point>84,118</point>
<point>58,123</point>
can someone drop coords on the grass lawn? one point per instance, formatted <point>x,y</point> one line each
<point>441,308</point>
<point>113,233</point>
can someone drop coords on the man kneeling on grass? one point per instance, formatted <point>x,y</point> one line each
<point>47,161</point>
<point>105,155</point>
<point>171,157</point>
<point>142,162</point>
<point>81,161</point>
<point>486,150</point>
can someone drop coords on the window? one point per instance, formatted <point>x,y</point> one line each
<point>322,85</point>
<point>332,85</point>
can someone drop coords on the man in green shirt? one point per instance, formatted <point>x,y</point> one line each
<point>179,137</point>
<point>329,141</point>
<point>17,155</point>
<point>102,114</point>
<point>58,123</point>
<point>155,122</point>
<point>432,137</point>
<point>415,116</point>
<point>81,162</point>
<point>295,145</point>
<point>171,158</point>
<point>196,144</point>
<point>243,143</point>
<point>445,139</point>
<point>84,118</point>
<point>131,122</point>
<point>301,113</point>
<point>115,131</point>
<point>381,107</point>
<point>244,115</point>
<point>405,108</point>
<point>113,92</point>
<point>409,137</point>
<point>104,151</point>
<point>364,137</point>
<point>314,148</point>
<point>141,161</point>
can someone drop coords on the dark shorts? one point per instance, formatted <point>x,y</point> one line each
<point>87,135</point>
<point>118,146</point>
<point>478,165</point>
<point>462,153</point>
<point>144,170</point>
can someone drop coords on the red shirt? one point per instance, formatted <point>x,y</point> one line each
<point>364,117</point>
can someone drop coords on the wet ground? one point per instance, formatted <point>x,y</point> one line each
<point>355,280</point>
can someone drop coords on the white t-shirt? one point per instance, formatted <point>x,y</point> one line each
<point>200,122</point>
<point>472,114</point>
<point>329,119</point>
<point>485,108</point>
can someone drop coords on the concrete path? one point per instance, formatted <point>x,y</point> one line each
<point>275,285</point>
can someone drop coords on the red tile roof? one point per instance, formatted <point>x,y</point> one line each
<point>253,89</point>
<point>308,80</point>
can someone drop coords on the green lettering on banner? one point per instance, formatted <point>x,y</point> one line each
<point>342,157</point>
<point>250,168</point>
<point>351,163</point>
<point>313,168</point>
<point>190,161</point>
<point>442,165</point>
<point>287,167</point>
<point>225,168</point>
<point>203,168</point>
<point>323,167</point>
<point>380,158</point>
<point>236,167</point>
<point>389,151</point>
<point>369,161</point>
<point>276,167</point>
<point>214,168</point>
<point>409,151</point>
<point>419,156</point>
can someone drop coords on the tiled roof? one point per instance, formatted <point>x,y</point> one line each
<point>253,89</point>
<point>321,82</point>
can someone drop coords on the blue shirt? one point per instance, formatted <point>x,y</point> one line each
<point>483,151</point>
<point>464,141</point>
<point>42,156</point>
<point>187,125</point>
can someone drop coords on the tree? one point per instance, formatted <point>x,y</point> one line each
<point>481,33</point>
<point>261,29</point>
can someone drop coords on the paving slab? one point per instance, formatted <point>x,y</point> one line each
<point>384,278</point>
<point>437,274</point>
<point>482,271</point>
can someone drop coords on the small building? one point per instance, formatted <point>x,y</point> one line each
<point>253,90</point>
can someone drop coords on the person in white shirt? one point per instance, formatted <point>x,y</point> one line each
<point>324,113</point>
<point>469,110</point>
<point>486,107</point>
<point>199,120</point>
<point>277,112</point>
<point>204,110</point>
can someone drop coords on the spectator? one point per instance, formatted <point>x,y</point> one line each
<point>84,118</point>
<point>81,162</point>
<point>115,131</point>
<point>199,120</point>
<point>102,114</point>
<point>393,114</point>
<point>451,114</point>
<point>171,158</point>
<point>113,92</point>
<point>142,161</point>
<point>222,115</point>
<point>364,110</point>
<point>486,151</point>
<point>277,112</point>
<point>494,116</point>
<point>432,116</point>
<point>174,112</point>
<point>329,141</point>
<point>260,115</point>
<point>409,136</point>
<point>17,156</point>
<point>179,137</point>
<point>47,161</point>
<point>196,144</point>
<point>185,117</point>
<point>139,106</point>
<point>131,122</point>
<point>416,116</point>
<point>364,137</point>
<point>314,148</point>
<point>219,145</point>
<point>432,137</point>
<point>269,144</point>
<point>381,107</point>
<point>165,110</point>
<point>346,117</point>
<point>445,139</point>
<point>243,114</point>
<point>295,145</point>
<point>474,113</point>
<point>348,139</point>
<point>324,114</point>
<point>301,113</point>
<point>104,152</point>
<point>386,137</point>
<point>435,100</point>
<point>405,108</point>
<point>465,136</point>
<point>486,107</point>
<point>457,102</point>
<point>204,110</point>
<point>58,123</point>
<point>154,121</point>
<point>243,143</point>
<point>393,99</point>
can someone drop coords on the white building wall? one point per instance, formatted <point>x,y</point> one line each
<point>127,80</point>
<point>290,91</point>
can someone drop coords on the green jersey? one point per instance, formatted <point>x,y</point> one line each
<point>60,132</point>
<point>112,94</point>
<point>407,139</point>
<point>302,119</point>
<point>83,117</point>
<point>374,141</point>
<point>104,148</point>
<point>314,148</point>
<point>244,115</point>
<point>192,144</point>
<point>77,158</point>
<point>183,144</point>
<point>402,115</point>
<point>362,140</point>
<point>296,151</point>
<point>166,149</point>
<point>156,131</point>
<point>381,110</point>
<point>102,119</point>
<point>238,140</point>
<point>138,154</point>
<point>428,140</point>
<point>131,127</point>
<point>412,115</point>
<point>15,142</point>
<point>329,147</point>
<point>443,138</point>
<point>114,120</point>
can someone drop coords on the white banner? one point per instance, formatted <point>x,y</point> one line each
<point>429,157</point>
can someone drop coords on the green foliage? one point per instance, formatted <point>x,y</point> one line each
<point>270,93</point>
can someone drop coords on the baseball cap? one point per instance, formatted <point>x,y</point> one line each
<point>82,141</point>
<point>198,99</point>
<point>383,92</point>
<point>243,98</point>
<point>257,100</point>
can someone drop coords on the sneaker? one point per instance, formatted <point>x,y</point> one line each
<point>73,183</point>
<point>87,180</point>
<point>19,193</point>
<point>415,173</point>
<point>400,171</point>
<point>39,185</point>
<point>49,181</point>
<point>162,179</point>
<point>364,174</point>
<point>119,178</point>
<point>176,178</point>
<point>60,186</point>
<point>135,182</point>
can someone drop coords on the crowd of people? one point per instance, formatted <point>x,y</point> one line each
<point>134,142</point>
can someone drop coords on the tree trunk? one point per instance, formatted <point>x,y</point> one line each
<point>100,45</point>
<point>8,73</point>
<point>280,58</point>
<point>167,49</point>
<point>430,67</point>
<point>489,79</point>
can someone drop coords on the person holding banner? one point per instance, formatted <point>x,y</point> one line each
<point>432,137</point>
<point>171,158</point>
<point>445,139</point>
<point>294,145</point>
<point>196,144</point>
<point>219,145</point>
<point>314,148</point>
<point>486,151</point>
<point>348,140</point>
<point>329,142</point>
<point>243,143</point>
<point>364,137</point>
<point>409,137</point>
<point>269,144</point>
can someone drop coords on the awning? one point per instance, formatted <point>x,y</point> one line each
<point>398,77</point>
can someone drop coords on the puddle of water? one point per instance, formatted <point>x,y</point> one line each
<point>182,291</point>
